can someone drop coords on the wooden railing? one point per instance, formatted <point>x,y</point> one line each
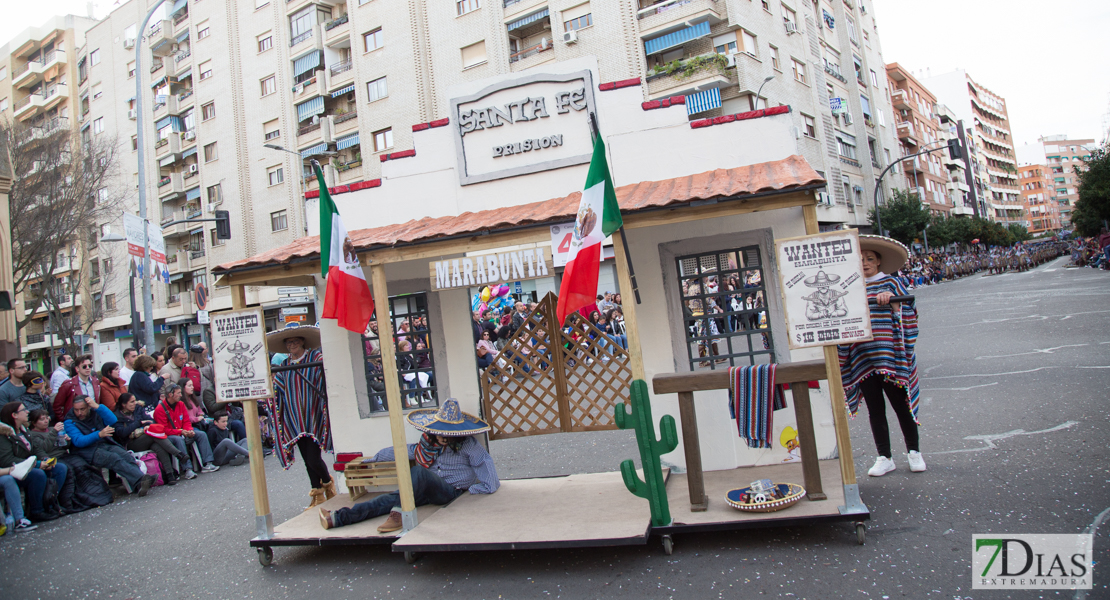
<point>797,375</point>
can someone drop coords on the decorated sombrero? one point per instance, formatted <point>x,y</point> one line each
<point>275,340</point>
<point>821,279</point>
<point>892,253</point>
<point>447,420</point>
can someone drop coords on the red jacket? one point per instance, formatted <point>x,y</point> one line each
<point>69,390</point>
<point>175,419</point>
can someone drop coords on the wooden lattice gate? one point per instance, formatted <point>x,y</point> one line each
<point>548,379</point>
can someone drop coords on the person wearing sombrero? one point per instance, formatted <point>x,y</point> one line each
<point>887,364</point>
<point>300,407</point>
<point>449,463</point>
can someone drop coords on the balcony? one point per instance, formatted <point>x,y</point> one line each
<point>28,106</point>
<point>165,105</point>
<point>179,305</point>
<point>337,29</point>
<point>907,133</point>
<point>41,341</point>
<point>167,146</point>
<point>344,123</point>
<point>304,41</point>
<point>188,139</point>
<point>178,229</point>
<point>900,100</point>
<point>532,55</point>
<point>700,72</point>
<point>309,89</point>
<point>340,74</point>
<point>170,185</point>
<point>310,134</point>
<point>35,70</point>
<point>161,38</point>
<point>55,94</point>
<point>661,17</point>
<point>179,19</point>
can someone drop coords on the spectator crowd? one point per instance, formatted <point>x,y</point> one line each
<point>936,267</point>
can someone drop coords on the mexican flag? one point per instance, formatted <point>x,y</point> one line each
<point>347,297</point>
<point>598,217</point>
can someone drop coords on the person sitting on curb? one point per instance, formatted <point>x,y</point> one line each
<point>89,425</point>
<point>224,449</point>
<point>173,416</point>
<point>449,463</point>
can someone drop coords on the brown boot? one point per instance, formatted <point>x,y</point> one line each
<point>329,490</point>
<point>326,520</point>
<point>316,497</point>
<point>393,523</point>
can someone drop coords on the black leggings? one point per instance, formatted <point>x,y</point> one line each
<point>872,389</point>
<point>317,469</point>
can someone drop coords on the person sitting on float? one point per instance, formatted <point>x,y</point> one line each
<point>449,463</point>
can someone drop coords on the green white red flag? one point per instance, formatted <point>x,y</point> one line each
<point>347,297</point>
<point>598,217</point>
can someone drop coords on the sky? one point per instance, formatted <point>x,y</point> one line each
<point>1043,57</point>
<point>1047,59</point>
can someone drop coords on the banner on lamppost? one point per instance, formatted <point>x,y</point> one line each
<point>133,231</point>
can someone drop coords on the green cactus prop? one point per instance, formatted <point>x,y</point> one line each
<point>652,488</point>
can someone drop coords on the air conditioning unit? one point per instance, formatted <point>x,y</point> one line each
<point>570,37</point>
<point>847,118</point>
<point>791,28</point>
<point>128,43</point>
<point>731,60</point>
<point>132,114</point>
<point>211,208</point>
<point>350,96</point>
<point>192,168</point>
<point>824,198</point>
<point>190,135</point>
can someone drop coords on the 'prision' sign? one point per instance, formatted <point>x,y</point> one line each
<point>535,123</point>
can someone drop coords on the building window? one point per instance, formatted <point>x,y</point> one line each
<point>474,54</point>
<point>810,126</point>
<point>799,71</point>
<point>775,58</point>
<point>415,361</point>
<point>214,239</point>
<point>3,73</point>
<point>215,194</point>
<point>749,41</point>
<point>874,78</point>
<point>269,85</point>
<point>110,302</point>
<point>276,175</point>
<point>94,57</point>
<point>208,111</point>
<point>107,266</point>
<point>577,17</point>
<point>725,44</point>
<point>383,140</point>
<point>271,130</point>
<point>98,125</point>
<point>203,31</point>
<point>465,6</point>
<point>377,89</point>
<point>210,152</point>
<point>373,40</point>
<point>790,18</point>
<point>260,3</point>
<point>97,91</point>
<point>205,70</point>
<point>852,30</point>
<point>134,143</point>
<point>846,145</point>
<point>265,42</point>
<point>278,221</point>
<point>131,70</point>
<point>724,307</point>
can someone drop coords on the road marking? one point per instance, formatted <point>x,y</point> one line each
<point>996,321</point>
<point>1049,270</point>
<point>963,389</point>
<point>1037,351</point>
<point>990,439</point>
<point>926,371</point>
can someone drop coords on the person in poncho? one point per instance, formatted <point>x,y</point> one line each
<point>887,364</point>
<point>300,408</point>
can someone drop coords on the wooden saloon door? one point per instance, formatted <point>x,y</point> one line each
<point>547,380</point>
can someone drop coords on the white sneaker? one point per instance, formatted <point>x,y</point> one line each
<point>917,462</point>
<point>883,465</point>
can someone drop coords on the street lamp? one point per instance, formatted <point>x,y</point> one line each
<point>766,80</point>
<point>300,176</point>
<point>879,181</point>
<point>115,237</point>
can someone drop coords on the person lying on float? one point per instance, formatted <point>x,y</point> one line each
<point>449,463</point>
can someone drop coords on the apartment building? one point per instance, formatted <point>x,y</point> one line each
<point>1063,156</point>
<point>918,129</point>
<point>960,171</point>
<point>985,114</point>
<point>39,76</point>
<point>1040,201</point>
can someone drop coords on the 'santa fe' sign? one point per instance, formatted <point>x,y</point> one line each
<point>492,269</point>
<point>525,125</point>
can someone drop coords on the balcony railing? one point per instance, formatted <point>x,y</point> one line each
<point>335,23</point>
<point>659,7</point>
<point>343,118</point>
<point>25,101</point>
<point>342,67</point>
<point>36,338</point>
<point>154,68</point>
<point>834,70</point>
<point>543,46</point>
<point>300,38</point>
<point>195,254</point>
<point>305,129</point>
<point>180,56</point>
<point>179,18</point>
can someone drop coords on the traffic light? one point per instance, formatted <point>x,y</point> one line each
<point>954,150</point>
<point>223,225</point>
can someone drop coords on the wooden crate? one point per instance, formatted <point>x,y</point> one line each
<point>366,476</point>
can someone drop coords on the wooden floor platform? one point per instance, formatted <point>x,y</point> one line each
<point>305,529</point>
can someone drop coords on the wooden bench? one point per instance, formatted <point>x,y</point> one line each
<point>364,476</point>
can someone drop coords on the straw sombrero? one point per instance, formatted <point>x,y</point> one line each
<point>892,253</point>
<point>275,340</point>
<point>447,420</point>
<point>821,279</point>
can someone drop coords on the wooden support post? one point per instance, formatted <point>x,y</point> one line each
<point>393,390</point>
<point>631,325</point>
<point>264,521</point>
<point>811,468</point>
<point>691,447</point>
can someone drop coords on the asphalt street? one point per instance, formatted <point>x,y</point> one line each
<point>1015,370</point>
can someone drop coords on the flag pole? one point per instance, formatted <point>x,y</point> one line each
<point>621,237</point>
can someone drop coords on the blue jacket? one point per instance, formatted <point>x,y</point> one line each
<point>86,434</point>
<point>145,390</point>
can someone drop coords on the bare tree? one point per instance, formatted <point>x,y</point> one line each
<point>64,185</point>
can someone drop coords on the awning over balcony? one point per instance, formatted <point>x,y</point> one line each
<point>346,142</point>
<point>184,36</point>
<point>177,6</point>
<point>676,38</point>
<point>532,18</point>
<point>189,152</point>
<point>340,92</point>
<point>192,194</point>
<point>310,109</point>
<point>307,62</point>
<point>703,101</point>
<point>165,121</point>
<point>165,162</point>
<point>158,82</point>
<point>317,149</point>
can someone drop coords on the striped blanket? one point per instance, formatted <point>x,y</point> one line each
<point>753,398</point>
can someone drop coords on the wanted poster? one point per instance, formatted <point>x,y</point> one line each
<point>239,355</point>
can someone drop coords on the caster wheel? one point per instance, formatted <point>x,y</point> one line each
<point>410,557</point>
<point>861,533</point>
<point>265,556</point>
<point>668,545</point>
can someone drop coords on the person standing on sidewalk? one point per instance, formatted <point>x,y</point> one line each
<point>888,363</point>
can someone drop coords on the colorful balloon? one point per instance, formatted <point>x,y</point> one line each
<point>482,308</point>
<point>485,294</point>
<point>504,289</point>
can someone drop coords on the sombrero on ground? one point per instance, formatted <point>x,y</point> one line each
<point>447,420</point>
<point>275,340</point>
<point>892,253</point>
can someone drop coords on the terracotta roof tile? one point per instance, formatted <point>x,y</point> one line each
<point>770,177</point>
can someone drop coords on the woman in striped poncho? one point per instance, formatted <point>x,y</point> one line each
<point>888,363</point>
